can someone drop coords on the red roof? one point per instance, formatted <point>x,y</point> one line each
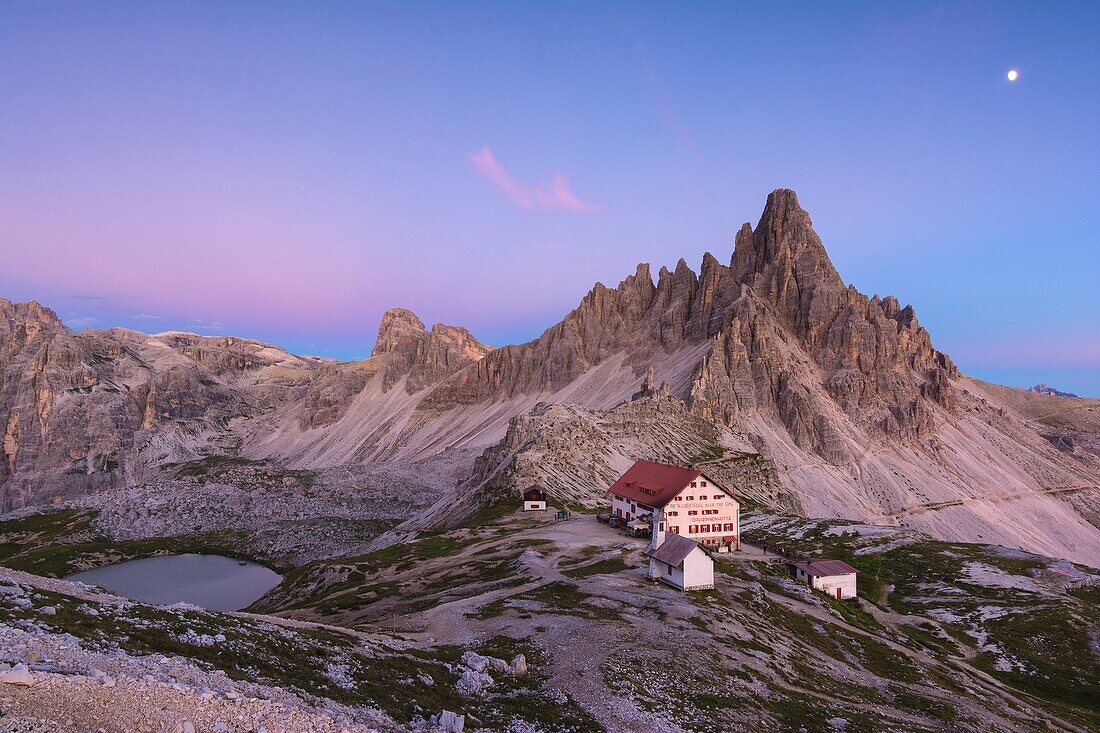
<point>653,484</point>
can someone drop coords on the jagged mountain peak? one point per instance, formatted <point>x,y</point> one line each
<point>785,262</point>
<point>397,327</point>
<point>30,312</point>
<point>424,356</point>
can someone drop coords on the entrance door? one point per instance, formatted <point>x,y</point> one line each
<point>838,594</point>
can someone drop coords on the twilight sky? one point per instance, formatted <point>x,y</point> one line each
<point>289,171</point>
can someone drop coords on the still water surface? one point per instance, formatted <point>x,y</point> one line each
<point>211,581</point>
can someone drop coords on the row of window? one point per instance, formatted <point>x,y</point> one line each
<point>704,497</point>
<point>704,528</point>
<point>702,484</point>
<point>695,512</point>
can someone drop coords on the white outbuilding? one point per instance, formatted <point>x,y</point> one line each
<point>534,499</point>
<point>679,561</point>
<point>834,578</point>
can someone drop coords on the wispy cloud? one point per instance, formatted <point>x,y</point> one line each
<point>145,318</point>
<point>78,323</point>
<point>86,296</point>
<point>558,197</point>
<point>208,326</point>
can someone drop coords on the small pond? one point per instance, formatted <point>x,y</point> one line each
<point>211,581</point>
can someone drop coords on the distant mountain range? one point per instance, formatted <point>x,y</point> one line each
<point>1050,391</point>
<point>838,400</point>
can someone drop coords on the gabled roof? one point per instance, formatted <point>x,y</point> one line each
<point>673,550</point>
<point>822,568</point>
<point>653,484</point>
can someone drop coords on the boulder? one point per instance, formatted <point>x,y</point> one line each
<point>449,722</point>
<point>473,683</point>
<point>17,675</point>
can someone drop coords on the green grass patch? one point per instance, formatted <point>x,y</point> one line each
<point>600,567</point>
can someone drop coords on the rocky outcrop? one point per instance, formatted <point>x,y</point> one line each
<point>79,409</point>
<point>575,453</point>
<point>420,357</point>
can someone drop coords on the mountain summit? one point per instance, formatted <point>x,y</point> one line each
<point>779,333</point>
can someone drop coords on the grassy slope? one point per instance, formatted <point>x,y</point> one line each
<point>1038,638</point>
<point>755,650</point>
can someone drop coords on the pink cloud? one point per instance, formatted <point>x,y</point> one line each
<point>530,198</point>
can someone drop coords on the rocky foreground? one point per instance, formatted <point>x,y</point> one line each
<point>53,680</point>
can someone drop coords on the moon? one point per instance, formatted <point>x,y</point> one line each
<point>1013,75</point>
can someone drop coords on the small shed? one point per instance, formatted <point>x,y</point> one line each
<point>834,578</point>
<point>534,499</point>
<point>680,562</point>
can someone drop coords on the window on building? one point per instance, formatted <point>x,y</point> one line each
<point>692,512</point>
<point>704,528</point>
<point>728,526</point>
<point>674,530</point>
<point>693,484</point>
<point>679,498</point>
<point>693,529</point>
<point>703,484</point>
<point>673,514</point>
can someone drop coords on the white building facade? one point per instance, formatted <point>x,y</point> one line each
<point>691,503</point>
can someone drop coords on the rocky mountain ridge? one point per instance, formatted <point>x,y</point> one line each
<point>842,393</point>
<point>93,410</point>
